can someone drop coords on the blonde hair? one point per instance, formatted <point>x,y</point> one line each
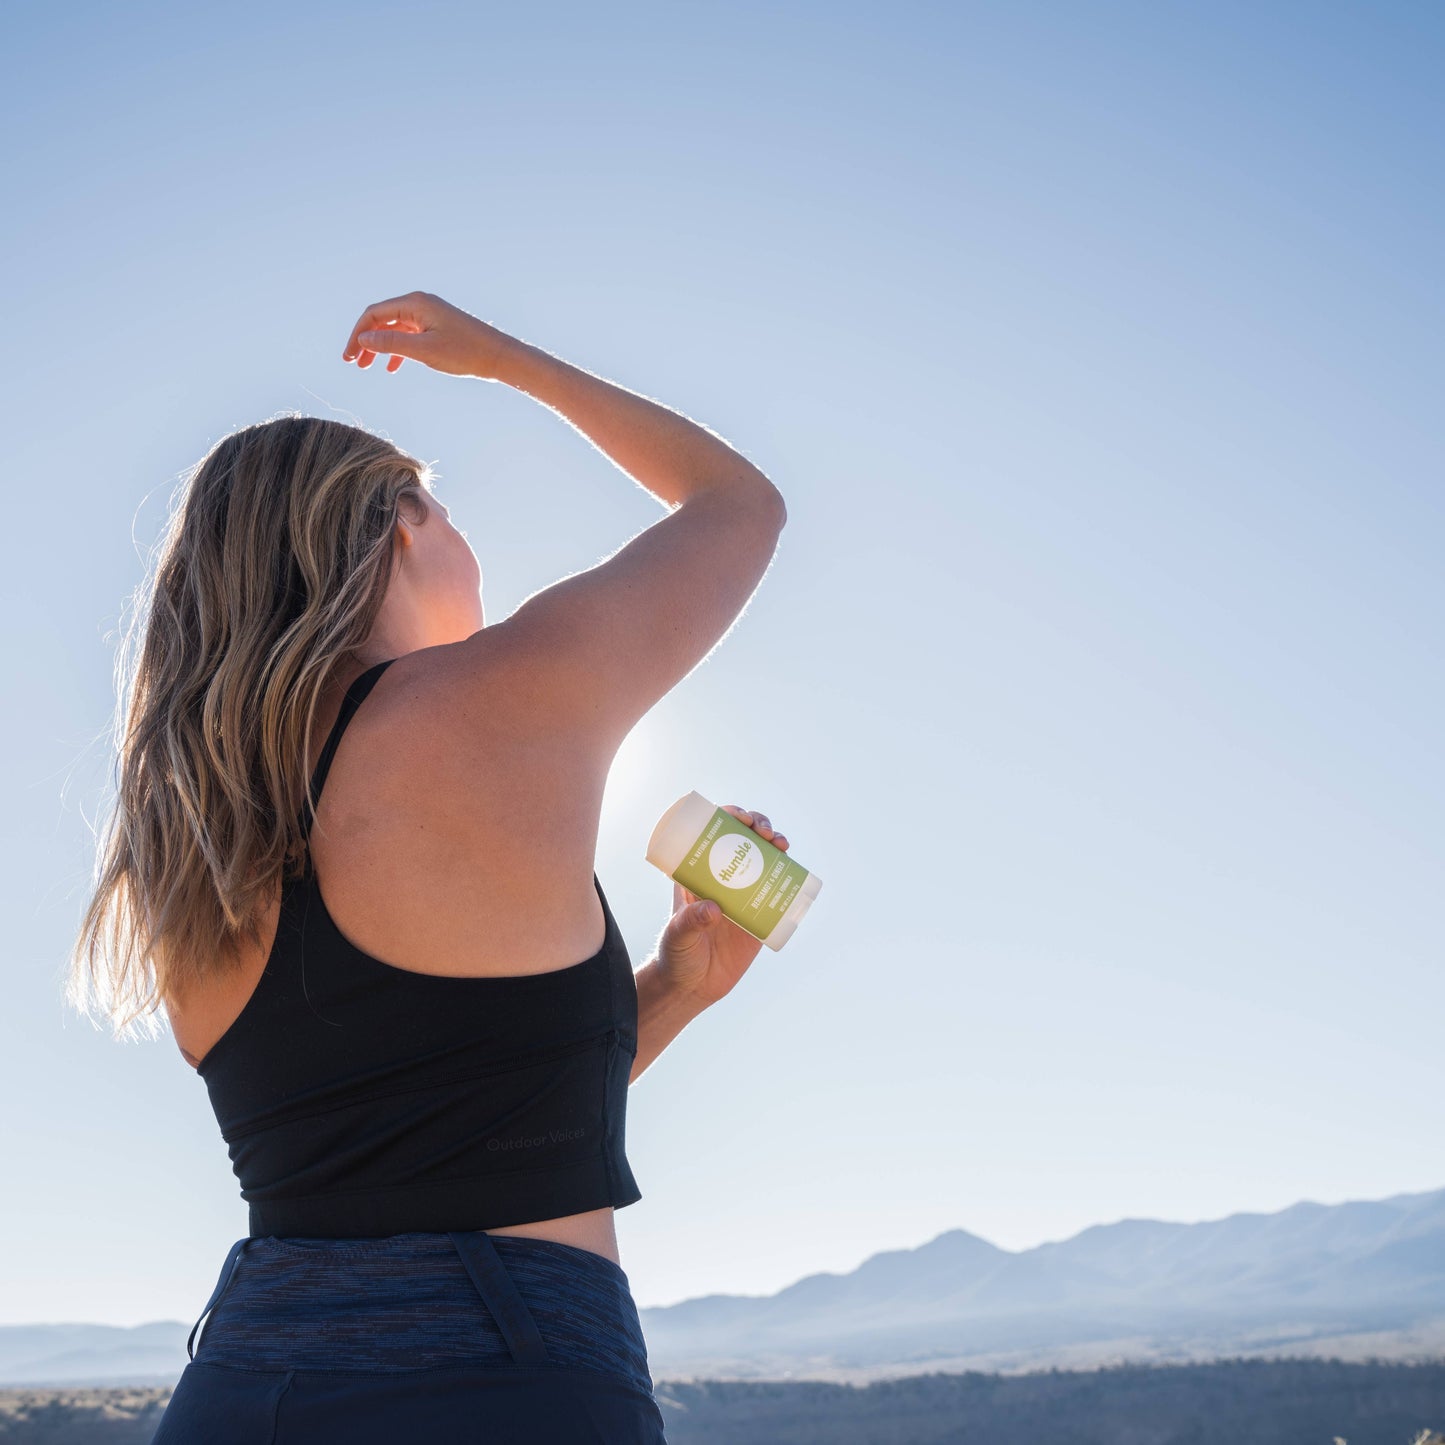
<point>270,573</point>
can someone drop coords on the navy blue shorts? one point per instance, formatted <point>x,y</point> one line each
<point>442,1338</point>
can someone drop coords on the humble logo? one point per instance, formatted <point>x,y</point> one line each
<point>735,861</point>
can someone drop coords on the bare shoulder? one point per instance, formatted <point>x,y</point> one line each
<point>462,757</point>
<point>489,689</point>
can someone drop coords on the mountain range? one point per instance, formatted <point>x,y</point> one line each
<point>1357,1280</point>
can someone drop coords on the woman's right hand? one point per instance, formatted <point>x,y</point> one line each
<point>427,329</point>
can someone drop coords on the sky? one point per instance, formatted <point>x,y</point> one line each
<point>1095,349</point>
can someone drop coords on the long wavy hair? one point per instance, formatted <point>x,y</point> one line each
<point>269,575</point>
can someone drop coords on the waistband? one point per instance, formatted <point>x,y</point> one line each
<point>421,1301</point>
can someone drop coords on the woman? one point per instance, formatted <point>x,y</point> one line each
<point>422,1089</point>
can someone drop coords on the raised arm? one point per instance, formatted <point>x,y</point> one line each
<point>602,646</point>
<point>598,649</point>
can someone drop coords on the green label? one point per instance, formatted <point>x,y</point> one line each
<point>746,876</point>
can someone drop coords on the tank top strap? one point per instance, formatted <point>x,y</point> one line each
<point>356,694</point>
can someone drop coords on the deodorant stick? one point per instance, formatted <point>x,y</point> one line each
<point>714,855</point>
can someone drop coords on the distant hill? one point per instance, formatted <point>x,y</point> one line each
<point>150,1354</point>
<point>1355,1281</point>
<point>1352,1281</point>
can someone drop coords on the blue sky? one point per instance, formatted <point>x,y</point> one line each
<point>1094,349</point>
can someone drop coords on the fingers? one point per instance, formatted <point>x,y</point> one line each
<point>366,356</point>
<point>377,317</point>
<point>759,823</point>
<point>387,340</point>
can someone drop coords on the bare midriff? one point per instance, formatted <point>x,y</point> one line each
<point>594,1230</point>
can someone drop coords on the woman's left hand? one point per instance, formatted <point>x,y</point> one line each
<point>701,952</point>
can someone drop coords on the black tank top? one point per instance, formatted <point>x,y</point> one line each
<point>358,1099</point>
